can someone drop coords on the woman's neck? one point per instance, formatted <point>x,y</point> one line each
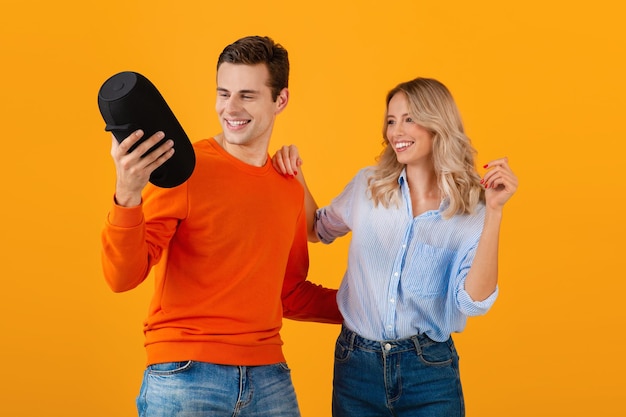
<point>424,189</point>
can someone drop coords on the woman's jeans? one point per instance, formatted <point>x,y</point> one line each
<point>414,377</point>
<point>198,389</point>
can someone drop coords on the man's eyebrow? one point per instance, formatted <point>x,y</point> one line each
<point>222,89</point>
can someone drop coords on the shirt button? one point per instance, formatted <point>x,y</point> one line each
<point>392,300</point>
<point>387,347</point>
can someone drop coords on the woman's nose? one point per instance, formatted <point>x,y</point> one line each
<point>397,130</point>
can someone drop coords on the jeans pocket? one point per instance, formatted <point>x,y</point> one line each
<point>342,351</point>
<point>169,368</point>
<point>283,367</point>
<point>436,354</point>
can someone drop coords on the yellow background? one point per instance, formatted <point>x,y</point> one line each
<point>541,82</point>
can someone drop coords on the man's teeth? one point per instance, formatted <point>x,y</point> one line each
<point>237,122</point>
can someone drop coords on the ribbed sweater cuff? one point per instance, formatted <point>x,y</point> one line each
<point>125,216</point>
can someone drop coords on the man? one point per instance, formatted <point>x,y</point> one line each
<point>229,248</point>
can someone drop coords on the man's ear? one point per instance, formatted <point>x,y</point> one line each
<point>282,100</point>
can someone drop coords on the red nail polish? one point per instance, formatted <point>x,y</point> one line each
<point>485,166</point>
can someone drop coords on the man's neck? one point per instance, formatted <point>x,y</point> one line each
<point>251,154</point>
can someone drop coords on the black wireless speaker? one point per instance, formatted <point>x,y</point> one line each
<point>129,101</point>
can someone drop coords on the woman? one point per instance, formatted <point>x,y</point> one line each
<point>423,257</point>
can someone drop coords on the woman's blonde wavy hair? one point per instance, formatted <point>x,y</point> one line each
<point>432,106</point>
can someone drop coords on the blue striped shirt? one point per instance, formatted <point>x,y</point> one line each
<point>405,275</point>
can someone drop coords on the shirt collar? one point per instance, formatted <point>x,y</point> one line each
<point>402,177</point>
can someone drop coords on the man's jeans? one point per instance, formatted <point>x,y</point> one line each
<point>198,389</point>
<point>414,377</point>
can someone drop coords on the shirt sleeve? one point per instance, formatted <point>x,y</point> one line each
<point>335,220</point>
<point>470,307</point>
<point>464,301</point>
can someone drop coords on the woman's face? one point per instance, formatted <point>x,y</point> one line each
<point>412,143</point>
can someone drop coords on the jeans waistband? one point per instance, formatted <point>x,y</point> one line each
<point>415,342</point>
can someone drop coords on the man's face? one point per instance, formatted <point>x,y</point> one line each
<point>245,107</point>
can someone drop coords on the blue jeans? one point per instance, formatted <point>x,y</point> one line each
<point>414,377</point>
<point>198,389</point>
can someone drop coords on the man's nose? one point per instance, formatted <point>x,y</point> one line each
<point>233,104</point>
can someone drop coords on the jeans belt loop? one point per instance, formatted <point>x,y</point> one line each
<point>351,340</point>
<point>416,342</point>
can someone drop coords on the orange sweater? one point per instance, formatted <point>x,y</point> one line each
<point>229,245</point>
